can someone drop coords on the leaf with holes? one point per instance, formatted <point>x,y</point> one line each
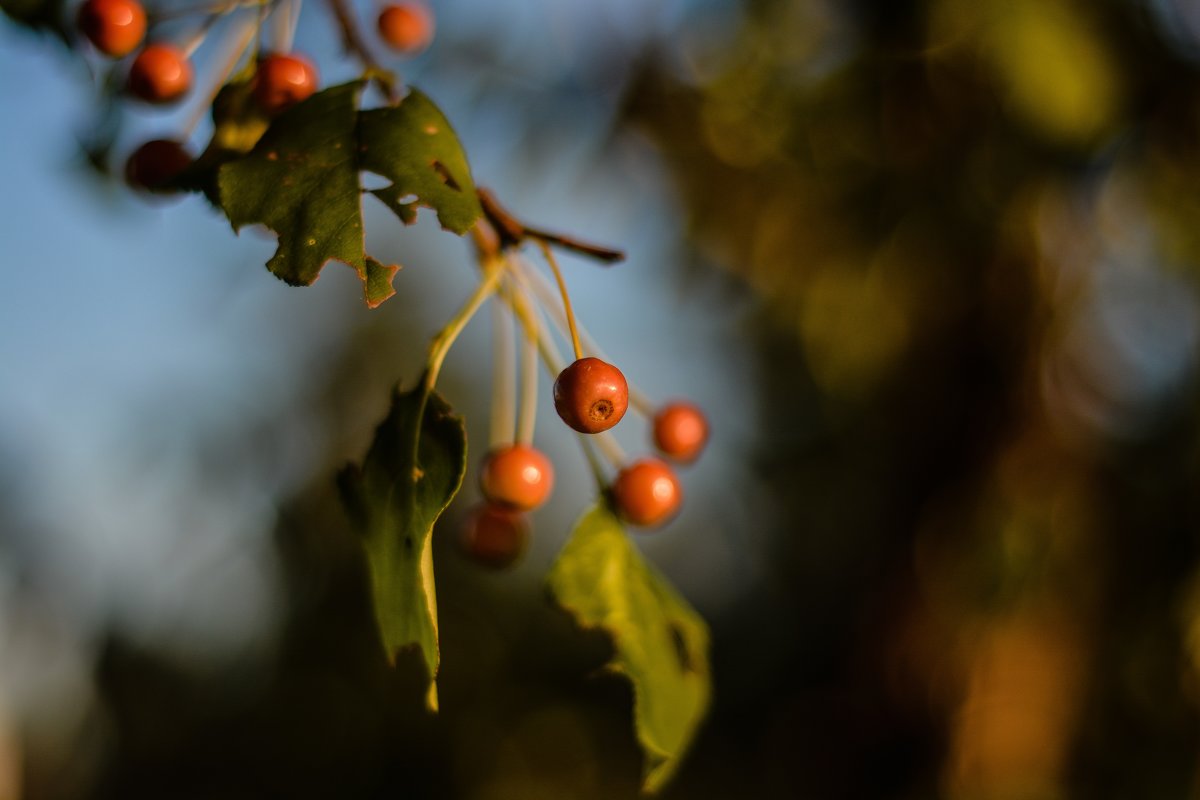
<point>661,643</point>
<point>413,146</point>
<point>412,471</point>
<point>301,181</point>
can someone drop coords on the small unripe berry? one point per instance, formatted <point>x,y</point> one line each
<point>494,536</point>
<point>160,73</point>
<point>114,27</point>
<point>155,164</point>
<point>647,493</point>
<point>517,476</point>
<point>680,431</point>
<point>406,27</point>
<point>282,80</point>
<point>591,395</point>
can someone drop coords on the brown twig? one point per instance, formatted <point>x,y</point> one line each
<point>513,232</point>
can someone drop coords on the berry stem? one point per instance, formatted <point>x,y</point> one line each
<point>529,367</point>
<point>233,53</point>
<point>546,345</point>
<point>210,8</point>
<point>610,448</point>
<point>283,29</point>
<point>593,461</point>
<point>504,363</point>
<point>441,344</point>
<point>192,44</point>
<point>566,299</point>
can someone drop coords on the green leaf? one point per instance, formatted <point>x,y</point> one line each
<point>413,146</point>
<point>301,181</point>
<point>412,471</point>
<point>661,642</point>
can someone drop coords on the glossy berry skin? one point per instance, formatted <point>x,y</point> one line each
<point>155,164</point>
<point>517,476</point>
<point>680,431</point>
<point>591,395</point>
<point>282,80</point>
<point>406,27</point>
<point>114,27</point>
<point>647,493</point>
<point>160,73</point>
<point>494,536</point>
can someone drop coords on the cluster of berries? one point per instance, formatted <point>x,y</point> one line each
<point>161,72</point>
<point>591,396</point>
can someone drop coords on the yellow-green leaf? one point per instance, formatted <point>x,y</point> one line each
<point>661,643</point>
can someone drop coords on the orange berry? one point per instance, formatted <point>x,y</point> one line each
<point>406,27</point>
<point>283,80</point>
<point>647,493</point>
<point>680,431</point>
<point>159,74</point>
<point>114,27</point>
<point>517,476</point>
<point>494,536</point>
<point>591,395</point>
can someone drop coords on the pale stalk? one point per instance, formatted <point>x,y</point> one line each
<point>566,299</point>
<point>235,48</point>
<point>504,365</point>
<point>441,344</point>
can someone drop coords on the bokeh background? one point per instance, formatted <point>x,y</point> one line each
<point>931,268</point>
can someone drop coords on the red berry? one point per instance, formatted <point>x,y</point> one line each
<point>647,493</point>
<point>155,164</point>
<point>115,27</point>
<point>591,395</point>
<point>680,431</point>
<point>517,476</point>
<point>406,27</point>
<point>160,73</point>
<point>494,536</point>
<point>282,81</point>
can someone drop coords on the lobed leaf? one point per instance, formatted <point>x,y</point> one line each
<point>661,643</point>
<point>413,146</point>
<point>301,181</point>
<point>411,472</point>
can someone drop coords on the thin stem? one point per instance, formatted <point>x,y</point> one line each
<point>566,299</point>
<point>607,443</point>
<point>355,44</point>
<point>191,45</point>
<point>504,363</point>
<point>529,370</point>
<point>593,461</point>
<point>233,55</point>
<point>283,28</point>
<point>442,343</point>
<point>210,8</point>
<point>545,344</point>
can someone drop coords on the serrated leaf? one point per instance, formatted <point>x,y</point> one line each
<point>413,146</point>
<point>301,181</point>
<point>412,471</point>
<point>661,643</point>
